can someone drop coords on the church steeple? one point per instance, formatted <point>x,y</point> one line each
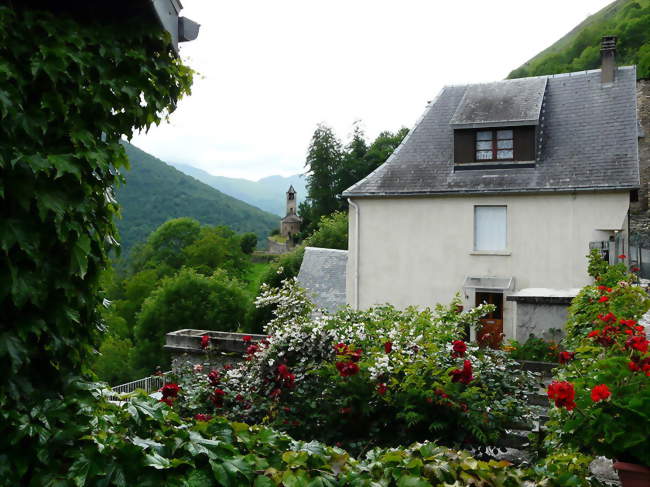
<point>291,201</point>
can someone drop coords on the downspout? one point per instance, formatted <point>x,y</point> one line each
<point>356,253</point>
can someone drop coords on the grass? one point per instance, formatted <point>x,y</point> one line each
<point>254,276</point>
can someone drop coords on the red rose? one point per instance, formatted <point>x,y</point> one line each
<point>566,357</point>
<point>169,390</point>
<point>459,348</point>
<point>639,343</point>
<point>622,256</point>
<point>563,394</point>
<point>603,299</point>
<point>227,367</point>
<point>213,377</point>
<point>593,333</point>
<point>341,348</point>
<point>347,369</point>
<point>205,341</point>
<point>381,389</point>
<point>464,375</point>
<point>246,338</point>
<point>217,397</point>
<point>168,400</point>
<point>347,410</point>
<point>356,355</point>
<point>252,349</point>
<point>275,393</point>
<point>283,370</point>
<point>388,347</point>
<point>202,417</point>
<point>600,393</point>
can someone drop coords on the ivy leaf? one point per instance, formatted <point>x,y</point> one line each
<point>64,165</point>
<point>412,481</point>
<point>156,461</point>
<point>220,473</point>
<point>79,256</point>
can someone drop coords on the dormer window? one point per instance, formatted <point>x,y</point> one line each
<point>499,146</point>
<point>494,145</point>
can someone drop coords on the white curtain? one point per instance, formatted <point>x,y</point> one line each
<point>490,228</point>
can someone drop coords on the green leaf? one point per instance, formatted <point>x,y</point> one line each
<point>412,481</point>
<point>80,253</point>
<point>263,481</point>
<point>156,461</point>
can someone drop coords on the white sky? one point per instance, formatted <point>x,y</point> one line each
<point>271,70</point>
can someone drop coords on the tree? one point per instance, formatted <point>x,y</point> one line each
<point>216,248</point>
<point>332,232</point>
<point>165,245</point>
<point>324,161</point>
<point>187,300</point>
<point>248,242</point>
<point>113,363</point>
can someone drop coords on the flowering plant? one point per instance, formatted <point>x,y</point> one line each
<point>602,392</point>
<point>383,376</point>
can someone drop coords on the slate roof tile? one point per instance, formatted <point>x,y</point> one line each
<point>588,142</point>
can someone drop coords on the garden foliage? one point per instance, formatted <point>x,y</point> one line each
<point>602,392</point>
<point>69,91</point>
<point>361,378</point>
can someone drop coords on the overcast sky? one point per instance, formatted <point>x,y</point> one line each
<point>271,70</point>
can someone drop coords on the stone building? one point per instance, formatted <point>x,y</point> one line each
<point>290,224</point>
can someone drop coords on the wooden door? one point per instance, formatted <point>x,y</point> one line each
<point>491,331</point>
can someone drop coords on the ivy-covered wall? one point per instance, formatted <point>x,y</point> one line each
<point>69,91</point>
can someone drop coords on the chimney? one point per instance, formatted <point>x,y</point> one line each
<point>608,59</point>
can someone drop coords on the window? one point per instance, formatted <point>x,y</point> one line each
<point>494,145</point>
<point>490,228</point>
<point>502,146</point>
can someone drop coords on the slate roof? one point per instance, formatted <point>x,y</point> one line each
<point>588,142</point>
<point>517,102</point>
<point>291,217</point>
<point>322,274</point>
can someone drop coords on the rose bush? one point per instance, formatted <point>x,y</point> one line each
<point>360,378</point>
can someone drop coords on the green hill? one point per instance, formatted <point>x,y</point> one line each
<point>267,193</point>
<point>155,192</point>
<point>578,50</point>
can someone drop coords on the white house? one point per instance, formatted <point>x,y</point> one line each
<point>497,193</point>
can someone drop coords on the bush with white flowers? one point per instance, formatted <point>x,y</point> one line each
<point>359,378</point>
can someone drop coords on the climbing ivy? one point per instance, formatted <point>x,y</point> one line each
<point>70,89</point>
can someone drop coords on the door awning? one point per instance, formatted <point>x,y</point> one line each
<point>488,283</point>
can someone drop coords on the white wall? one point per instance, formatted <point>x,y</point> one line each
<point>418,251</point>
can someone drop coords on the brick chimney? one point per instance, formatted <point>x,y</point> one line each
<point>608,59</point>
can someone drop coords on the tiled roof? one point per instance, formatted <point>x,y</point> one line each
<point>588,142</point>
<point>322,274</point>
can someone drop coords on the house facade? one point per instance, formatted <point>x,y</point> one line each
<point>498,193</point>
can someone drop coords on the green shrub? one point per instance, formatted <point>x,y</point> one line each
<point>190,300</point>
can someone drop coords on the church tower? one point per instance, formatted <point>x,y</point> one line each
<point>290,224</point>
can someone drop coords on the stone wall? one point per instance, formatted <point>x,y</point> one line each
<point>643,113</point>
<point>277,248</point>
<point>224,348</point>
<point>540,319</point>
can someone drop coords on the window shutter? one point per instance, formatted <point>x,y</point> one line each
<point>524,143</point>
<point>464,146</point>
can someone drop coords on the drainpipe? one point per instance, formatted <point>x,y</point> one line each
<point>356,253</point>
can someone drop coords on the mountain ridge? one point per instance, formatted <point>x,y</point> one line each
<point>156,192</point>
<point>267,193</point>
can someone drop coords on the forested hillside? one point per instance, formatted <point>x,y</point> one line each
<point>629,20</point>
<point>155,192</point>
<point>267,193</point>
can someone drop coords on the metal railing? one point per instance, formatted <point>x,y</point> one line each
<point>147,384</point>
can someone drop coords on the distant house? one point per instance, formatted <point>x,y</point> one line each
<point>497,194</point>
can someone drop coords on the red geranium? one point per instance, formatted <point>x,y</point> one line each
<point>341,348</point>
<point>563,394</point>
<point>202,417</point>
<point>381,389</point>
<point>246,338</point>
<point>565,357</point>
<point>639,343</point>
<point>355,356</point>
<point>600,393</point>
<point>252,349</point>
<point>622,256</point>
<point>459,348</point>
<point>205,341</point>
<point>603,299</point>
<point>388,347</point>
<point>464,375</point>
